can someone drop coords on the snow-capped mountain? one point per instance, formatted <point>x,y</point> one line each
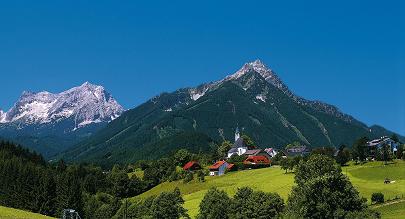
<point>84,105</point>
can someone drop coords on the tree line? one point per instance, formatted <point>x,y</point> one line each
<point>28,182</point>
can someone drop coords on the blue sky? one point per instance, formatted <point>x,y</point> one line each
<point>347,53</point>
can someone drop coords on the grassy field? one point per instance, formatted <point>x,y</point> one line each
<point>138,173</point>
<point>367,178</point>
<point>269,180</point>
<point>11,213</point>
<point>392,210</point>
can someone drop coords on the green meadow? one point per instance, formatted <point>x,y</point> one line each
<point>11,213</point>
<point>367,178</point>
<point>392,210</point>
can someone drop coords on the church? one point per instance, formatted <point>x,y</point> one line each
<point>239,147</point>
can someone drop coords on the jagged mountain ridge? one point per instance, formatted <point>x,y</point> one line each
<point>50,123</point>
<point>271,77</point>
<point>85,104</point>
<point>253,98</point>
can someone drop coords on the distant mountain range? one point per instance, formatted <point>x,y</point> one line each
<point>253,99</point>
<point>50,123</point>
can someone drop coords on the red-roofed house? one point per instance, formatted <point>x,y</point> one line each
<point>219,168</point>
<point>257,161</point>
<point>191,166</point>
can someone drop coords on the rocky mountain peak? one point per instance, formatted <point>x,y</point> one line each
<point>258,66</point>
<point>84,105</point>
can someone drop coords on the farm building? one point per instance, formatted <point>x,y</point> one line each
<point>191,166</point>
<point>219,168</point>
<point>257,161</point>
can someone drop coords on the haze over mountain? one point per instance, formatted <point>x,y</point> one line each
<point>253,99</point>
<point>49,123</point>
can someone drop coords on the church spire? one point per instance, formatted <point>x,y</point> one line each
<point>237,134</point>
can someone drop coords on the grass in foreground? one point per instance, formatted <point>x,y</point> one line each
<point>11,213</point>
<point>269,180</point>
<point>367,179</point>
<point>392,210</point>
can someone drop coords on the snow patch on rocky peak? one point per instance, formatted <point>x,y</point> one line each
<point>85,104</point>
<point>196,93</point>
<point>261,97</point>
<point>2,116</point>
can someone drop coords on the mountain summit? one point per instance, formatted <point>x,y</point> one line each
<point>259,67</point>
<point>84,105</point>
<point>271,77</point>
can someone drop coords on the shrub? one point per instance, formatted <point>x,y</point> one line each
<point>377,198</point>
<point>174,176</point>
<point>200,176</point>
<point>189,176</point>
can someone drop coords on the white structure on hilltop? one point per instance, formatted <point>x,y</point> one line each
<point>239,147</point>
<point>237,134</point>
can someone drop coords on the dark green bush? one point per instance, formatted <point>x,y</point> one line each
<point>377,198</point>
<point>189,176</point>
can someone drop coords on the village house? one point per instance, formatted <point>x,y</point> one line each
<point>219,168</point>
<point>271,152</point>
<point>257,152</point>
<point>192,166</point>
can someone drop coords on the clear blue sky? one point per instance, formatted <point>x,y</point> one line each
<point>346,53</point>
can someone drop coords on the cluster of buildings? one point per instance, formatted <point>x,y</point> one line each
<point>254,157</point>
<point>262,157</point>
<point>376,144</point>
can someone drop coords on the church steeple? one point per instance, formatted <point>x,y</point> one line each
<point>237,134</point>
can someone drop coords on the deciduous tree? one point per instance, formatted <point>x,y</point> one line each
<point>215,205</point>
<point>322,191</point>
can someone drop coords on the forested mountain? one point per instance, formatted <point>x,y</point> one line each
<point>253,99</point>
<point>49,123</point>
